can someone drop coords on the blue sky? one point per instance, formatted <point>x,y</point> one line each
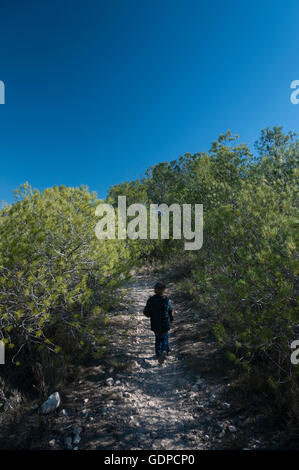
<point>97,91</point>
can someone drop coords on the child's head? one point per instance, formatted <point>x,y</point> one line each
<point>160,288</point>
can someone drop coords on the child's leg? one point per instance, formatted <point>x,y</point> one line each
<point>165,343</point>
<point>158,343</point>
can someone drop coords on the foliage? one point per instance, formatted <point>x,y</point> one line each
<point>247,271</point>
<point>56,278</point>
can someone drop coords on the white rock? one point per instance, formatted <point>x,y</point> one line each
<point>76,439</point>
<point>110,381</point>
<point>212,396</point>
<point>198,384</point>
<point>52,442</point>
<point>232,428</point>
<point>51,404</point>
<point>68,442</point>
<point>76,429</point>
<point>63,413</point>
<point>225,405</point>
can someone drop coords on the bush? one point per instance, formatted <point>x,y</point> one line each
<point>246,272</point>
<point>57,280</point>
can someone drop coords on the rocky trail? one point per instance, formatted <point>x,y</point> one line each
<point>135,403</point>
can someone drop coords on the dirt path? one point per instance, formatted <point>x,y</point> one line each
<point>144,405</point>
<point>151,406</point>
<point>128,401</point>
<point>163,418</point>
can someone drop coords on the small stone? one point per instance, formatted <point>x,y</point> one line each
<point>86,400</point>
<point>225,405</point>
<point>232,428</point>
<point>76,439</point>
<point>212,396</point>
<point>76,429</point>
<point>52,442</point>
<point>51,404</point>
<point>110,381</point>
<point>198,384</point>
<point>68,442</point>
<point>63,413</point>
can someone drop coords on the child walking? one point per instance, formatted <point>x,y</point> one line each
<point>159,309</point>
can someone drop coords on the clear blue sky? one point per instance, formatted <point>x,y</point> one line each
<point>97,91</point>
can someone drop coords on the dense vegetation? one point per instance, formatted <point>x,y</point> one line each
<point>246,271</point>
<point>58,280</point>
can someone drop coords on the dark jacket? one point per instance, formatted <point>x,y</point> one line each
<point>159,310</point>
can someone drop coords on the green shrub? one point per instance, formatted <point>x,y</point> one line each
<point>57,280</point>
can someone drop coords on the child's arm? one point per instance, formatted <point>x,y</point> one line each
<point>146,310</point>
<point>170,310</point>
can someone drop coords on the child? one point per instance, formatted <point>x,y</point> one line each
<point>159,309</point>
